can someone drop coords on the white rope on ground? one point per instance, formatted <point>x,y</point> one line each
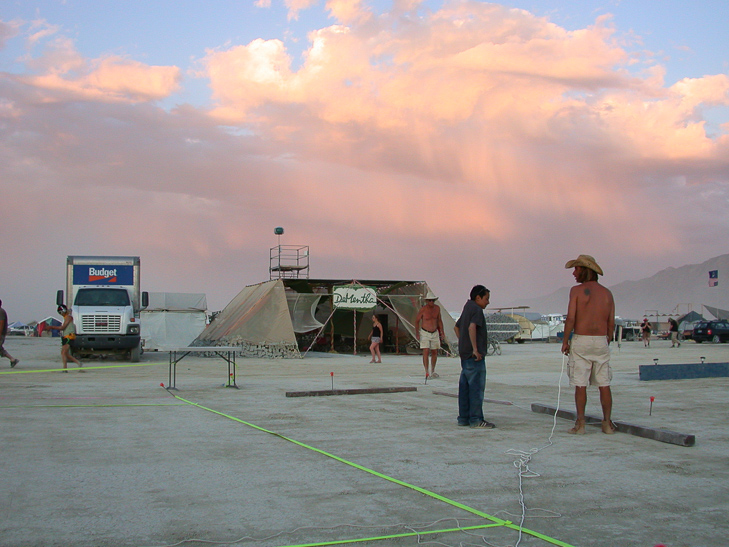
<point>525,457</point>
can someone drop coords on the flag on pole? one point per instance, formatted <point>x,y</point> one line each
<point>713,278</point>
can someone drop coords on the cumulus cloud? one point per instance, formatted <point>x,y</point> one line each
<point>476,97</point>
<point>61,73</point>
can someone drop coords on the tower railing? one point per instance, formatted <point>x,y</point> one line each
<point>289,262</point>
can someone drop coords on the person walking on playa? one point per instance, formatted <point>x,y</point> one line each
<point>591,317</point>
<point>68,333</point>
<point>472,342</point>
<point>429,331</point>
<point>376,340</point>
<point>673,328</point>
<point>645,330</point>
<point>3,334</point>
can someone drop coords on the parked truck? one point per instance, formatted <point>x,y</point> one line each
<point>103,294</point>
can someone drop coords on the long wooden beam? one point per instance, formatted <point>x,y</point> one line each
<point>662,435</point>
<point>495,401</point>
<point>361,391</point>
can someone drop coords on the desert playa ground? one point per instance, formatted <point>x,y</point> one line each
<point>111,458</point>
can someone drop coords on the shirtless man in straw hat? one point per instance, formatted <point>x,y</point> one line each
<point>591,316</point>
<point>429,331</point>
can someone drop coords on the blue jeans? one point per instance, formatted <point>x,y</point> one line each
<point>470,391</point>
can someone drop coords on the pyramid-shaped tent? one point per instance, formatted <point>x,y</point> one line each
<point>257,320</point>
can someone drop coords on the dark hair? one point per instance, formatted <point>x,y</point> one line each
<point>479,290</point>
<point>587,274</point>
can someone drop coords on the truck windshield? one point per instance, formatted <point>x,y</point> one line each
<point>102,297</point>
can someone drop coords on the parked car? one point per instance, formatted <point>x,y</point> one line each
<point>711,331</point>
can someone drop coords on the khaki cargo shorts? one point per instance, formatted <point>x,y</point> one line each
<point>429,340</point>
<point>589,361</point>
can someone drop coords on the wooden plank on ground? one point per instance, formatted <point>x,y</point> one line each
<point>361,391</point>
<point>662,435</point>
<point>494,401</point>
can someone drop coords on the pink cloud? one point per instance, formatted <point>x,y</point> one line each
<point>8,30</point>
<point>40,30</point>
<point>709,90</point>
<point>467,61</point>
<point>61,73</point>
<point>466,94</point>
<point>473,143</point>
<point>349,11</point>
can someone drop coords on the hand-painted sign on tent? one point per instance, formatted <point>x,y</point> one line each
<point>355,297</point>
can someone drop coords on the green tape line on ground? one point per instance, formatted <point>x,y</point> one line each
<point>93,406</point>
<point>497,521</point>
<point>80,369</point>
<point>395,536</point>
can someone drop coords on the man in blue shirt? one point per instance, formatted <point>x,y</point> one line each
<point>472,342</point>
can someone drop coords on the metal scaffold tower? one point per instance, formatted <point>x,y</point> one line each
<point>288,261</point>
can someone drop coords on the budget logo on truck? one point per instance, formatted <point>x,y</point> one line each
<point>103,275</point>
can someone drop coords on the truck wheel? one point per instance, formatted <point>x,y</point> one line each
<point>135,354</point>
<point>716,339</point>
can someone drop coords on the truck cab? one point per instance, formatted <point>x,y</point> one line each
<point>104,298</point>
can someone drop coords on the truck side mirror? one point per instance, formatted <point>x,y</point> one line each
<point>145,299</point>
<point>59,298</point>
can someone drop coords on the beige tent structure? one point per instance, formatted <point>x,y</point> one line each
<point>257,320</point>
<point>285,318</point>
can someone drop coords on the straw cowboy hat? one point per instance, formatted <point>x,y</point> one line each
<point>430,296</point>
<point>586,261</point>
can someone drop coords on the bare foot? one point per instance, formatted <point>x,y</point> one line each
<point>608,427</point>
<point>579,428</point>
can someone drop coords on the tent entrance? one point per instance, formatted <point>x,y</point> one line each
<point>348,331</point>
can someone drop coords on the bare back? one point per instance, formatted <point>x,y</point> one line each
<point>591,309</point>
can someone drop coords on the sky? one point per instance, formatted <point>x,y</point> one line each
<point>454,142</point>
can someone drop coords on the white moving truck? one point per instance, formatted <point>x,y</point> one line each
<point>103,294</point>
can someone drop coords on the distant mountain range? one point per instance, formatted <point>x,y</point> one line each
<point>673,290</point>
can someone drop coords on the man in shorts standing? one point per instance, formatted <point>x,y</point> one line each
<point>3,333</point>
<point>591,316</point>
<point>429,331</point>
